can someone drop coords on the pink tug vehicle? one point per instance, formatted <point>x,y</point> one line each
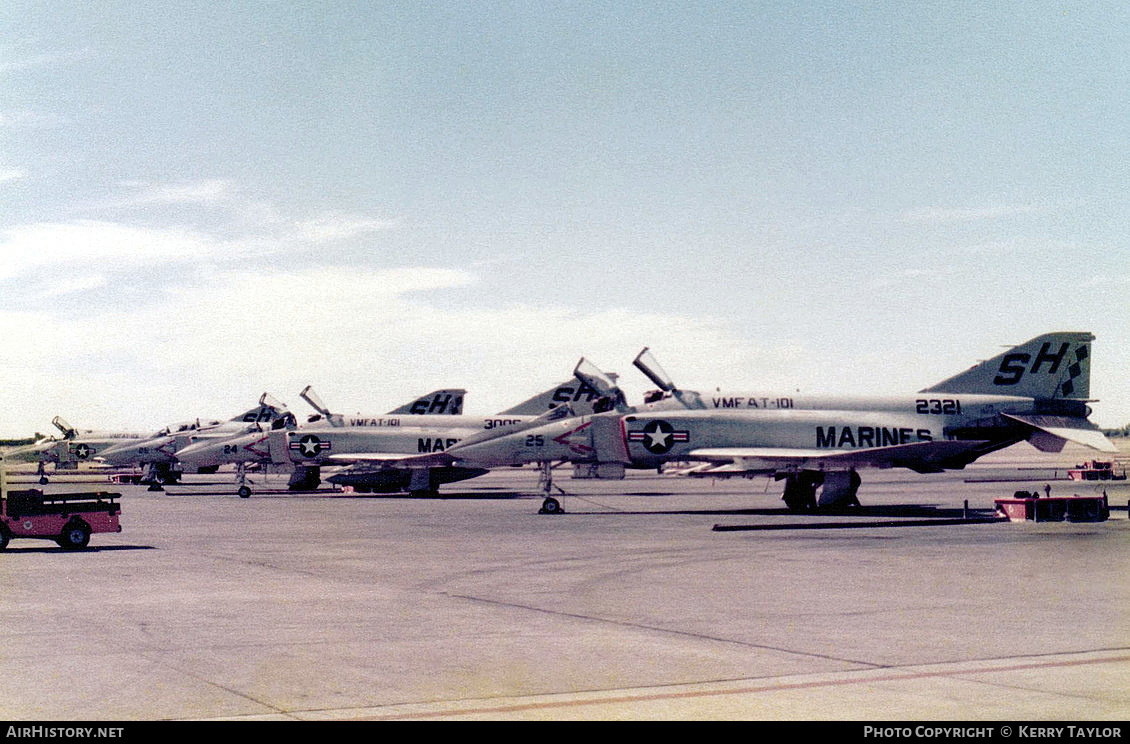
<point>67,518</point>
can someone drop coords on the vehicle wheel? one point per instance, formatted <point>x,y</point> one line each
<point>43,480</point>
<point>551,506</point>
<point>4,537</point>
<point>75,535</point>
<point>244,492</point>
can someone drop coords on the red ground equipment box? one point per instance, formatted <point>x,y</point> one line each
<point>67,518</point>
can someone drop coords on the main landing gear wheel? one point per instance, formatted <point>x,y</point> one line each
<point>244,492</point>
<point>800,490</point>
<point>551,506</point>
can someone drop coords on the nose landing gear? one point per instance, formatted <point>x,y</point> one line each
<point>549,505</point>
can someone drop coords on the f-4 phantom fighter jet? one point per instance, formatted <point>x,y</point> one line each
<point>1036,392</point>
<point>374,449</point>
<point>251,446</point>
<point>73,447</point>
<point>158,452</point>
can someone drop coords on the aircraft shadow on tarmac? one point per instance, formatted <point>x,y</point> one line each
<point>436,497</point>
<point>861,513</point>
<point>887,511</point>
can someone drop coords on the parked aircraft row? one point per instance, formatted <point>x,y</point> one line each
<point>1036,392</point>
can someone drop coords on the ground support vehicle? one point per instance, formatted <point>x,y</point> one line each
<point>1022,507</point>
<point>1096,470</point>
<point>67,518</point>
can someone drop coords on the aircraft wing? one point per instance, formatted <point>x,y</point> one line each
<point>922,457</point>
<point>398,459</point>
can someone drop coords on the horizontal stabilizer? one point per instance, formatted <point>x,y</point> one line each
<point>1069,428</point>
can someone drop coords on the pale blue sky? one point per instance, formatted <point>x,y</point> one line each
<point>200,202</point>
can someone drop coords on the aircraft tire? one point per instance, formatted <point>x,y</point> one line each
<point>244,492</point>
<point>75,536</point>
<point>799,503</point>
<point>551,506</point>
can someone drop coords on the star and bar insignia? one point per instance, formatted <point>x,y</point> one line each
<point>658,437</point>
<point>309,445</point>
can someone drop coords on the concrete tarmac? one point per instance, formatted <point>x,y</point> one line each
<point>631,605</point>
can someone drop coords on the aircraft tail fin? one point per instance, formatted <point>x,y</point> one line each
<point>1051,366</point>
<point>573,392</point>
<point>438,402</point>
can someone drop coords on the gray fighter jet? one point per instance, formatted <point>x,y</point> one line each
<point>73,447</point>
<point>1036,392</point>
<point>250,447</point>
<point>158,452</point>
<point>369,446</point>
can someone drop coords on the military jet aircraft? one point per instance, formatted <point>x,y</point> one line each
<point>158,452</point>
<point>373,446</point>
<point>1036,392</point>
<point>250,447</point>
<point>73,447</point>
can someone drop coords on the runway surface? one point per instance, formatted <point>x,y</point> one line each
<point>630,605</point>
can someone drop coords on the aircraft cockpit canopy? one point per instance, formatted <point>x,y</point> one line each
<point>286,421</point>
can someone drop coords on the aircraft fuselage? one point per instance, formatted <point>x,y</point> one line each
<point>646,438</point>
